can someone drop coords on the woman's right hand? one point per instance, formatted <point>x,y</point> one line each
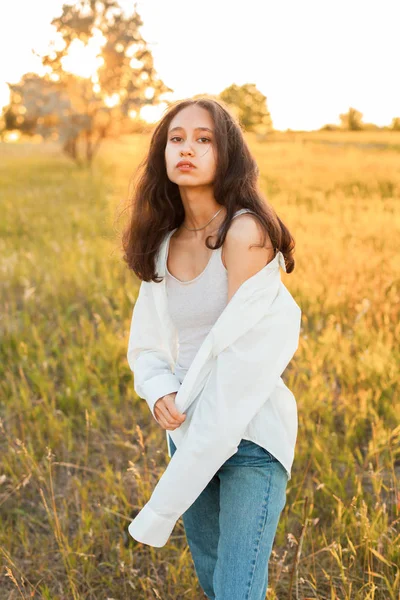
<point>166,413</point>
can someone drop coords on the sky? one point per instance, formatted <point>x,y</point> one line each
<point>313,59</point>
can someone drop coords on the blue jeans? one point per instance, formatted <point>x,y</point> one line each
<point>231,526</point>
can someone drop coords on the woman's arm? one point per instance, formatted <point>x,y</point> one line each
<point>148,356</point>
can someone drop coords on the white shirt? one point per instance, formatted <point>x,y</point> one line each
<point>233,389</point>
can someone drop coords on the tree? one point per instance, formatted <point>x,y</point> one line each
<point>329,127</point>
<point>83,109</point>
<point>250,106</point>
<point>37,105</point>
<point>352,120</point>
<point>395,125</point>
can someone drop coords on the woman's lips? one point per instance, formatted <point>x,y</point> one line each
<point>186,167</point>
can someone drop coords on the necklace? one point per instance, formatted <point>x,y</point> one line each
<point>198,228</point>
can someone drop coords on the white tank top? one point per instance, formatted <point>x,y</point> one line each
<point>196,304</point>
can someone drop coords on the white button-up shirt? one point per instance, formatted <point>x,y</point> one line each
<point>232,390</point>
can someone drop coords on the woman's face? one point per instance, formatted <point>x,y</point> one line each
<point>191,137</point>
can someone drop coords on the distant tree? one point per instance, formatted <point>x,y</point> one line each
<point>205,95</point>
<point>395,125</point>
<point>2,126</point>
<point>250,107</point>
<point>329,127</point>
<point>352,120</point>
<point>83,110</point>
<point>371,127</point>
<point>37,105</point>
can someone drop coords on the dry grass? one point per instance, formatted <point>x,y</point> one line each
<point>80,453</point>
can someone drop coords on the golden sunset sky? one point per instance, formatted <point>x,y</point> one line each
<point>312,59</point>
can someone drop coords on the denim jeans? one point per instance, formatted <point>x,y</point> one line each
<point>231,526</point>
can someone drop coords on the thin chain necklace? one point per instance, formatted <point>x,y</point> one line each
<point>198,228</point>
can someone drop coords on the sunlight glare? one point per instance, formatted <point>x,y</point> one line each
<point>11,136</point>
<point>112,100</point>
<point>85,59</point>
<point>151,114</point>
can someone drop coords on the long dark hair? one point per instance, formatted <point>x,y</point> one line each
<point>156,202</point>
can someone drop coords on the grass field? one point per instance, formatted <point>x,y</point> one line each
<point>80,453</point>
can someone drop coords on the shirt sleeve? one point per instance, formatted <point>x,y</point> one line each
<point>148,356</point>
<point>243,376</point>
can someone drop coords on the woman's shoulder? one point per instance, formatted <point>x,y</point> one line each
<point>246,227</point>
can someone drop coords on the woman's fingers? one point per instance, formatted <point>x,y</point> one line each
<point>178,417</point>
<point>167,414</point>
<point>164,417</point>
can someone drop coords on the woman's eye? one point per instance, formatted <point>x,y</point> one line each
<point>177,137</point>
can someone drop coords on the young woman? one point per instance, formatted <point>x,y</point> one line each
<point>208,344</point>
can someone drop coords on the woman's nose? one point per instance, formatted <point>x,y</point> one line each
<point>186,150</point>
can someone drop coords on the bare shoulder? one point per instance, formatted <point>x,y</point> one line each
<point>243,254</point>
<point>244,231</point>
<point>245,226</point>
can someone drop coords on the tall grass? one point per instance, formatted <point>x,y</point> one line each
<point>80,452</point>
